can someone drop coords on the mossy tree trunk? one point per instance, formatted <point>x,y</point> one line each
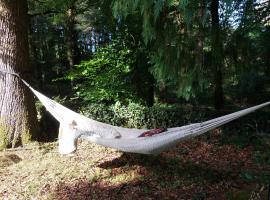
<point>18,121</point>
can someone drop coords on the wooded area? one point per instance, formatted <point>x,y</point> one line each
<point>142,64</point>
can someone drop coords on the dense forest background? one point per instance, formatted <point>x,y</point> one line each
<point>151,63</point>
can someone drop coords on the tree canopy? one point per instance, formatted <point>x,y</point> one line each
<point>185,50</point>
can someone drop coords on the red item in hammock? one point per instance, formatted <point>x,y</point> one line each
<point>152,132</point>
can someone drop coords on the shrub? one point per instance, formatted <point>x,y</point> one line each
<point>135,115</point>
<point>106,77</point>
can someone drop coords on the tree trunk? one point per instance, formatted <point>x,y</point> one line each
<point>71,36</point>
<point>217,58</point>
<point>200,38</point>
<point>151,90</point>
<point>143,80</point>
<point>18,122</point>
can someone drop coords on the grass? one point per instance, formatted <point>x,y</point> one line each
<point>202,168</point>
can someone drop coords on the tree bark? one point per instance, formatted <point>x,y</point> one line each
<point>217,58</point>
<point>18,120</point>
<point>71,36</point>
<point>151,90</point>
<point>200,38</point>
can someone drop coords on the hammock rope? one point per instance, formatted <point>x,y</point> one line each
<point>74,125</point>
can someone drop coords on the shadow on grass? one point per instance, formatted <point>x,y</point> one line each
<point>194,171</point>
<point>137,189</point>
<point>161,167</point>
<point>159,178</point>
<point>84,189</point>
<point>9,159</point>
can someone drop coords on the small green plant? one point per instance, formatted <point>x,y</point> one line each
<point>106,77</point>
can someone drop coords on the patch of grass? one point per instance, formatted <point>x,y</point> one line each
<point>196,169</point>
<point>121,178</point>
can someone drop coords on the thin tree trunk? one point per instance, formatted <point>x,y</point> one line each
<point>71,37</point>
<point>200,38</point>
<point>18,122</point>
<point>217,58</point>
<point>151,90</point>
<point>34,55</point>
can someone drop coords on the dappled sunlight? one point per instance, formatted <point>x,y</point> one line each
<point>194,169</point>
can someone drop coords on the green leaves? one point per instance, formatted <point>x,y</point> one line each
<point>174,41</point>
<point>170,33</point>
<point>106,76</point>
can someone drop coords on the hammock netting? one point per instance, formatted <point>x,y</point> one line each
<point>74,125</point>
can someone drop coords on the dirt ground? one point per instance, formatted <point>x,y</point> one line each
<point>201,168</point>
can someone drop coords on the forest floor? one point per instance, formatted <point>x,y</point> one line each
<point>202,168</point>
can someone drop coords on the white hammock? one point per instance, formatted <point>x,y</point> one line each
<point>74,125</point>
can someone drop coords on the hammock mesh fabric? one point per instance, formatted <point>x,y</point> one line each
<point>74,125</point>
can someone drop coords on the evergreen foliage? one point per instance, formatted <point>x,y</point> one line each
<point>173,55</point>
<point>170,30</point>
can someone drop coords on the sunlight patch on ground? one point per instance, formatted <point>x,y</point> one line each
<point>198,168</point>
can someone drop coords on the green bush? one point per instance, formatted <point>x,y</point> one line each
<point>106,77</point>
<point>134,115</point>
